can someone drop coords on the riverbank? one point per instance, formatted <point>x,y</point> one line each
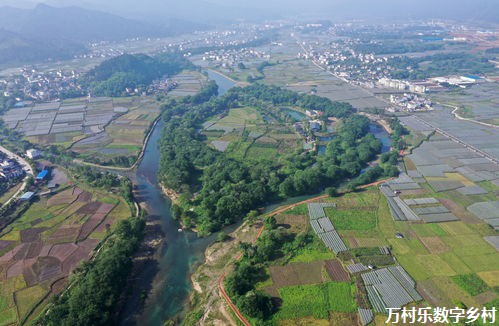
<point>207,307</point>
<point>170,193</point>
<point>236,83</point>
<point>380,121</point>
<point>210,305</point>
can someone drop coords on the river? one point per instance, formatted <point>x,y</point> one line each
<point>167,280</point>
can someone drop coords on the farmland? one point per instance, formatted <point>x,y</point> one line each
<point>440,263</point>
<point>245,133</point>
<point>316,300</point>
<point>40,249</point>
<point>97,129</point>
<point>123,136</point>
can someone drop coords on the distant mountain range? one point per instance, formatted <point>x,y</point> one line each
<point>18,49</point>
<point>48,32</point>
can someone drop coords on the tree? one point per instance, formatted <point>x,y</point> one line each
<point>256,305</point>
<point>270,223</point>
<point>222,236</point>
<point>331,191</point>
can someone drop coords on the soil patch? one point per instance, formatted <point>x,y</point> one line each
<point>336,271</point>
<point>297,274</point>
<point>31,235</point>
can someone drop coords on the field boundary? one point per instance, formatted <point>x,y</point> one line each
<point>137,162</point>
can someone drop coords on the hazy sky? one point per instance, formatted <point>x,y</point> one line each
<point>334,9</point>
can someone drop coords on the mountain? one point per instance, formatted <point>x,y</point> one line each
<point>45,32</point>
<point>17,49</point>
<point>397,10</point>
<point>73,23</point>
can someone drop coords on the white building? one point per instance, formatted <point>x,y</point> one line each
<point>33,153</point>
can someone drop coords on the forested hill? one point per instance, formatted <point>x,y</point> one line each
<point>113,76</point>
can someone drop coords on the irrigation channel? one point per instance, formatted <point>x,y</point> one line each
<point>167,278</point>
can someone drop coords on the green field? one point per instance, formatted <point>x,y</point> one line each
<point>471,283</point>
<point>249,137</point>
<point>313,251</point>
<point>316,300</point>
<point>352,220</point>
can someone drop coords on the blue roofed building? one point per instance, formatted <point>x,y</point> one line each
<point>42,175</point>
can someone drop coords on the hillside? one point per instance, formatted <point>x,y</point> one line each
<point>113,76</point>
<point>45,32</point>
<point>81,25</point>
<point>17,49</point>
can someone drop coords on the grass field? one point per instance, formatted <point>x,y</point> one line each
<point>9,193</point>
<point>312,252</point>
<point>27,298</point>
<point>316,300</point>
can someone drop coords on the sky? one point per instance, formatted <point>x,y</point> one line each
<point>214,10</point>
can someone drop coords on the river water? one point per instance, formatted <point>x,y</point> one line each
<point>168,279</point>
<point>181,253</point>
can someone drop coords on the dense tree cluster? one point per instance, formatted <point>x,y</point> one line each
<point>399,131</point>
<point>97,285</point>
<point>113,76</point>
<point>391,47</point>
<point>442,64</point>
<point>225,189</point>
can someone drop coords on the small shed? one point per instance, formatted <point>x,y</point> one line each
<point>27,196</point>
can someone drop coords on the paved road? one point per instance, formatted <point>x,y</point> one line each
<point>455,139</point>
<point>26,167</point>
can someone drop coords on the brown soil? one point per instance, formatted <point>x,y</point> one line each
<point>31,235</point>
<point>90,225</point>
<point>336,271</point>
<point>460,211</point>
<point>89,209</point>
<point>63,251</point>
<point>296,274</point>
<point>47,268</point>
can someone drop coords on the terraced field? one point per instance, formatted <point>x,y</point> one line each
<point>39,250</point>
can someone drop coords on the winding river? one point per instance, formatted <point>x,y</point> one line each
<point>167,280</point>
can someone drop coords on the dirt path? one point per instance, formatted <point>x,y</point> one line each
<point>459,117</point>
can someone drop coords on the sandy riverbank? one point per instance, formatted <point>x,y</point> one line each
<point>377,119</point>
